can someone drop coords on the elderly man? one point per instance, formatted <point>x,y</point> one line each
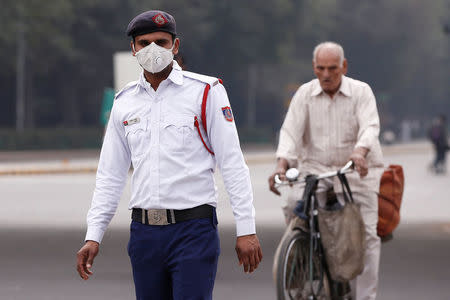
<point>333,119</point>
<point>154,125</point>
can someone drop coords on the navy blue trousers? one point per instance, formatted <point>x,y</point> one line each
<point>176,261</point>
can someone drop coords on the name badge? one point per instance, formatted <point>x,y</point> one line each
<point>131,121</point>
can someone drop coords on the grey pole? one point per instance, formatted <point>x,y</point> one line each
<point>251,109</point>
<point>20,74</point>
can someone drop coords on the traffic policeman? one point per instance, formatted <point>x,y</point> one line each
<point>174,243</point>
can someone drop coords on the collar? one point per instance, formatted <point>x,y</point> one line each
<point>317,89</point>
<point>344,88</point>
<point>176,76</point>
<point>142,81</point>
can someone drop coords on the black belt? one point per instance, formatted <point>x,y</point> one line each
<point>171,216</point>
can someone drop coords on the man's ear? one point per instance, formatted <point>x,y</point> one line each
<point>132,48</point>
<point>176,46</point>
<point>344,67</point>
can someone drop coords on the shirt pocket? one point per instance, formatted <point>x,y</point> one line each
<point>138,137</point>
<point>349,128</point>
<point>177,132</point>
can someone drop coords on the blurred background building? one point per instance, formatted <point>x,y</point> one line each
<point>57,60</point>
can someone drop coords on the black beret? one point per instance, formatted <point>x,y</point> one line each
<point>152,21</point>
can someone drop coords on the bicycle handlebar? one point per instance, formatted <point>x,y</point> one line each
<point>294,174</point>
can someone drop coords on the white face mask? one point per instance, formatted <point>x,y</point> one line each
<point>154,58</point>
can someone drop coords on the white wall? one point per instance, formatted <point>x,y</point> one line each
<point>126,69</point>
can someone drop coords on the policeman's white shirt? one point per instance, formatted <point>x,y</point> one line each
<point>154,131</point>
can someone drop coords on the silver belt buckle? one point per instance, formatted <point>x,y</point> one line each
<point>157,217</point>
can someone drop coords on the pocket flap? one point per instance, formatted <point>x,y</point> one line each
<point>178,120</point>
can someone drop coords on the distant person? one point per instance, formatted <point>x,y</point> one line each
<point>388,137</point>
<point>331,120</point>
<point>438,136</point>
<point>174,243</point>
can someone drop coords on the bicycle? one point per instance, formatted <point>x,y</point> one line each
<point>301,271</point>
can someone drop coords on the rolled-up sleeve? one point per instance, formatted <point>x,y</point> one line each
<point>230,160</point>
<point>293,128</point>
<point>114,163</point>
<point>368,120</point>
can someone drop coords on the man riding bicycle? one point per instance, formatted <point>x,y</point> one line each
<point>330,120</point>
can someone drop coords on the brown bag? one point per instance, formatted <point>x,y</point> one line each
<point>343,237</point>
<point>390,199</point>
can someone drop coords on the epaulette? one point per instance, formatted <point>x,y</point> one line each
<point>212,81</point>
<point>125,88</point>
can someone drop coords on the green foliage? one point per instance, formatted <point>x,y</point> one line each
<point>54,138</point>
<point>398,47</point>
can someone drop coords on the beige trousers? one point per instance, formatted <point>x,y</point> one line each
<point>365,284</point>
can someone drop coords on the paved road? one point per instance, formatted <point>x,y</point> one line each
<point>42,225</point>
<point>39,265</point>
<point>45,200</point>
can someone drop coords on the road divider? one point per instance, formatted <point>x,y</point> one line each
<point>89,165</point>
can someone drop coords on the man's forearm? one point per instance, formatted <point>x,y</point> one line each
<point>363,151</point>
<point>359,159</point>
<point>282,164</point>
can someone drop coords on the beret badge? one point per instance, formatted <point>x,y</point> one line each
<point>159,20</point>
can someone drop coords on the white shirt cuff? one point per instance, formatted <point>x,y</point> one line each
<point>94,234</point>
<point>245,227</point>
<point>362,144</point>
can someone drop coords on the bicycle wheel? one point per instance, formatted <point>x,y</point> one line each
<point>292,269</point>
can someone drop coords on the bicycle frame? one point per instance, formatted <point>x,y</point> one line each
<point>315,245</point>
<point>310,210</point>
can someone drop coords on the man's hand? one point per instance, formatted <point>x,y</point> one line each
<point>359,160</point>
<point>282,166</point>
<point>249,252</point>
<point>85,259</point>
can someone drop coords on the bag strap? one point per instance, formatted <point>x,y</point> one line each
<point>348,197</point>
<point>203,115</point>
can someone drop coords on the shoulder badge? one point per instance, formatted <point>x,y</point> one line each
<point>228,115</point>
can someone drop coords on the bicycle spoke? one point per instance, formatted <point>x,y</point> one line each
<point>306,277</point>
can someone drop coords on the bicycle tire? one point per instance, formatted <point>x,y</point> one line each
<point>291,269</point>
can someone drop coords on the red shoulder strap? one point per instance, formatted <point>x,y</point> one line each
<point>205,99</point>
<point>203,116</point>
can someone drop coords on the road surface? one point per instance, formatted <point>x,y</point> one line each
<point>42,225</point>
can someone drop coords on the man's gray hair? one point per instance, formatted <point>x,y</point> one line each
<point>335,47</point>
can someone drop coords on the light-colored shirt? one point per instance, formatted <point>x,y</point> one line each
<point>154,131</point>
<point>322,132</point>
